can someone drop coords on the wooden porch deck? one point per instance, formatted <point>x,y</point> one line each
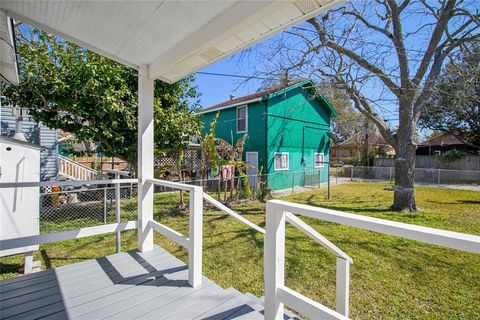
<point>128,285</point>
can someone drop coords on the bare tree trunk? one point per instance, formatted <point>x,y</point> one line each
<point>403,197</point>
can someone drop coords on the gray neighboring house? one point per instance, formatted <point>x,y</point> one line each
<point>36,133</point>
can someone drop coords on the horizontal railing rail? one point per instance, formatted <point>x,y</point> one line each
<point>449,239</point>
<point>64,183</point>
<point>232,213</point>
<point>278,212</point>
<point>66,235</point>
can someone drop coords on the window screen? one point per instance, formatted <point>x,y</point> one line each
<point>319,160</point>
<point>281,161</point>
<point>242,119</point>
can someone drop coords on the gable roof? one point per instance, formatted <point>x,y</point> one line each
<point>269,93</point>
<point>444,139</point>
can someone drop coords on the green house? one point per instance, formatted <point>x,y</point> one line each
<point>287,129</point>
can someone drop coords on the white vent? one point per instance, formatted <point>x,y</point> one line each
<point>211,53</point>
<point>307,6</point>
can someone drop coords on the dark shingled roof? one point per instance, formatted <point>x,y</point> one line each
<point>252,96</point>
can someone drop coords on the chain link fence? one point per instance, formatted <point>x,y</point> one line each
<point>70,208</point>
<point>422,175</point>
<point>67,208</point>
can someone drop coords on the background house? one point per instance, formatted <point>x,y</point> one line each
<point>353,147</point>
<point>437,146</point>
<point>288,128</point>
<point>35,133</point>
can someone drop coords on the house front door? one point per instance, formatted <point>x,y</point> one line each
<point>251,159</point>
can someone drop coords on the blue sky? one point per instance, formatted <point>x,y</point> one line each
<point>215,89</point>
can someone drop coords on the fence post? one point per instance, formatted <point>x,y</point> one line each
<point>390,174</point>
<point>118,239</point>
<point>351,174</point>
<point>328,182</point>
<point>438,177</point>
<point>293,182</point>
<point>105,205</point>
<point>343,284</point>
<point>195,237</point>
<point>274,261</point>
<point>336,177</point>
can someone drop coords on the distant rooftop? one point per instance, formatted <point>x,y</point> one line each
<point>444,139</point>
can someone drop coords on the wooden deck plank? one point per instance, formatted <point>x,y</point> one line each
<point>222,310</point>
<point>206,294</point>
<point>144,303</point>
<point>140,285</point>
<point>83,272</point>
<point>124,298</point>
<point>75,284</point>
<point>200,305</point>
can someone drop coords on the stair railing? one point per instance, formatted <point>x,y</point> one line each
<point>278,212</point>
<point>74,170</point>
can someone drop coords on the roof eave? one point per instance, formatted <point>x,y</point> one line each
<point>242,103</point>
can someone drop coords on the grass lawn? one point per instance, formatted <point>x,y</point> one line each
<point>391,278</point>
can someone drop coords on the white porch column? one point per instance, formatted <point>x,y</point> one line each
<point>145,159</point>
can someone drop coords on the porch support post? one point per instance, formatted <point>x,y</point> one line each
<point>274,261</point>
<point>145,159</point>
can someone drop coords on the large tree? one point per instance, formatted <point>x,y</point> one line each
<point>387,55</point>
<point>454,106</point>
<point>70,88</point>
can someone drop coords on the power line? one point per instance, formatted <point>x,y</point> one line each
<point>234,75</point>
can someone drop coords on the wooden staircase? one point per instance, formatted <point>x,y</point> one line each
<point>72,170</point>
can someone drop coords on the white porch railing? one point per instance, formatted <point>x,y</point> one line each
<point>74,170</point>
<point>194,241</point>
<point>278,212</point>
<point>70,234</point>
<point>231,213</point>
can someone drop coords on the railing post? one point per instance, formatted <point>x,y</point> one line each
<point>145,159</point>
<point>195,237</point>
<point>343,286</point>
<point>274,261</point>
<point>118,238</point>
<point>104,205</point>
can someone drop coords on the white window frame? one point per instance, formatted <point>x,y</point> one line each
<point>275,162</point>
<point>246,118</point>
<point>315,160</point>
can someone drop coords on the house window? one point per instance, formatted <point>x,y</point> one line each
<point>437,152</point>
<point>281,161</point>
<point>242,115</point>
<point>319,159</point>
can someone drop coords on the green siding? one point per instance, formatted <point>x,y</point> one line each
<point>227,128</point>
<point>287,121</point>
<point>297,125</point>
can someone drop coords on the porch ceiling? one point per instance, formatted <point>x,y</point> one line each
<point>173,38</point>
